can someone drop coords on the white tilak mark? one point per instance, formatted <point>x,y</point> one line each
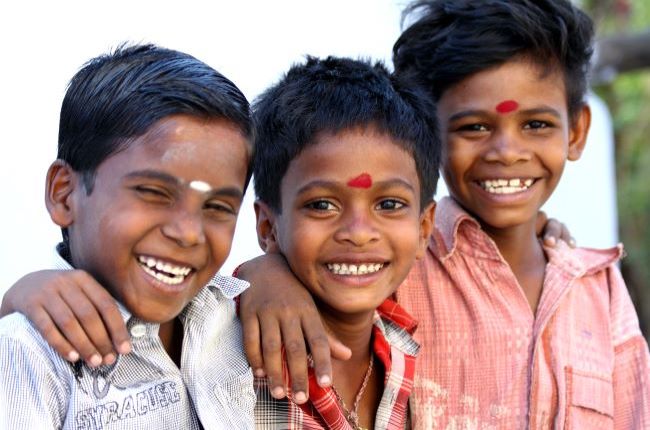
<point>200,186</point>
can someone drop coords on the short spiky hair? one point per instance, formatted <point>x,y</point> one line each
<point>118,96</point>
<point>453,39</point>
<point>331,95</point>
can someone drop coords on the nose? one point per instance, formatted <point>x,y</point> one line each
<point>185,227</point>
<point>507,148</point>
<point>357,228</point>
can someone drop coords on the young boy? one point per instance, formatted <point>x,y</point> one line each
<point>152,164</point>
<point>345,170</point>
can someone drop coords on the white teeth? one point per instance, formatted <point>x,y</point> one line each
<point>506,186</point>
<point>353,269</point>
<point>163,271</point>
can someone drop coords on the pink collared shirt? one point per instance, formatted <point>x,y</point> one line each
<point>486,362</point>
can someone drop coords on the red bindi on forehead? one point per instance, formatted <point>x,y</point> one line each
<point>362,181</point>
<point>507,106</point>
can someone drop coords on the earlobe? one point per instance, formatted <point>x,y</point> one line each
<point>427,219</point>
<point>266,235</point>
<point>60,183</point>
<point>578,133</point>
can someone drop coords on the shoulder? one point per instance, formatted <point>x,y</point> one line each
<point>19,339</point>
<point>584,262</point>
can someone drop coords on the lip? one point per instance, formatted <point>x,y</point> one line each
<point>159,285</point>
<point>356,281</point>
<point>516,197</point>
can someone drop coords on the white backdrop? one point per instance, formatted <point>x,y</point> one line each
<point>252,42</point>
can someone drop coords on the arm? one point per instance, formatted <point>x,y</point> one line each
<point>278,311</point>
<point>631,360</point>
<point>74,314</point>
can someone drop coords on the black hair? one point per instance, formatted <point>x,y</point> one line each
<point>453,39</point>
<point>332,95</point>
<point>118,96</point>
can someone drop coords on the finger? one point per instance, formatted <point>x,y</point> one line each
<point>272,355</point>
<point>541,223</point>
<point>296,355</point>
<point>110,314</point>
<point>552,232</point>
<point>52,335</point>
<point>67,324</point>
<point>252,344</point>
<point>338,348</point>
<point>86,315</point>
<point>318,342</point>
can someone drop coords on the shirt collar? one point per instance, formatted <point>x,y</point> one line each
<point>456,230</point>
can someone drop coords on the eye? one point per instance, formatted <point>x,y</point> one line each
<point>220,208</point>
<point>321,205</point>
<point>537,125</point>
<point>153,193</point>
<point>473,127</point>
<point>390,205</point>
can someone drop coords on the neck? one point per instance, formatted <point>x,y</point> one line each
<point>355,331</point>
<point>523,252</point>
<point>171,337</point>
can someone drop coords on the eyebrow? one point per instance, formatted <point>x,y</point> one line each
<point>534,111</point>
<point>174,181</point>
<point>335,185</point>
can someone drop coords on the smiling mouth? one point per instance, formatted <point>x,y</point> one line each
<point>350,269</point>
<point>164,271</point>
<point>506,186</point>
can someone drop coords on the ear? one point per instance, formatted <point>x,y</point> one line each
<point>266,230</point>
<point>578,133</point>
<point>60,184</point>
<point>427,218</point>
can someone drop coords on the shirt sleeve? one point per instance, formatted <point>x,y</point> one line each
<point>631,362</point>
<point>31,395</point>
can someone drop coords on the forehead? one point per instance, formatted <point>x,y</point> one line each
<point>520,80</point>
<point>354,153</point>
<point>189,148</point>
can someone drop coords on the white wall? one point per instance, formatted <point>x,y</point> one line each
<point>252,42</point>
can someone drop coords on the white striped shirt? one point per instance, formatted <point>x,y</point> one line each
<point>213,389</point>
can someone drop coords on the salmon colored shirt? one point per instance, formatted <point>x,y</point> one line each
<point>486,362</point>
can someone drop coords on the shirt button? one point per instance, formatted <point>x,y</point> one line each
<point>138,330</point>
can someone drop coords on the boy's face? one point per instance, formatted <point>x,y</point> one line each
<point>507,135</point>
<point>350,226</point>
<point>160,219</point>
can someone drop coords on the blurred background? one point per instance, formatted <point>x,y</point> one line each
<point>622,79</point>
<point>604,198</point>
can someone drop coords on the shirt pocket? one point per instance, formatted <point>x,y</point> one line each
<point>590,400</point>
<point>237,396</point>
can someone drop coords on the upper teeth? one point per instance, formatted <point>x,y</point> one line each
<point>506,186</point>
<point>354,269</point>
<point>164,271</point>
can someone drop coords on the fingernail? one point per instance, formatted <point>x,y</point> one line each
<point>73,356</point>
<point>300,397</point>
<point>324,381</point>
<point>277,392</point>
<point>124,347</point>
<point>259,373</point>
<point>95,360</point>
<point>572,243</point>
<point>550,240</point>
<point>109,359</point>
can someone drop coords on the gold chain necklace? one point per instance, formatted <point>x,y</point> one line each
<point>353,415</point>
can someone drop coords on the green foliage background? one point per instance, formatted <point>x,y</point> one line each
<point>628,98</point>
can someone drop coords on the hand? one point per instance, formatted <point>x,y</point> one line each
<point>74,314</point>
<point>552,230</point>
<point>277,310</point>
